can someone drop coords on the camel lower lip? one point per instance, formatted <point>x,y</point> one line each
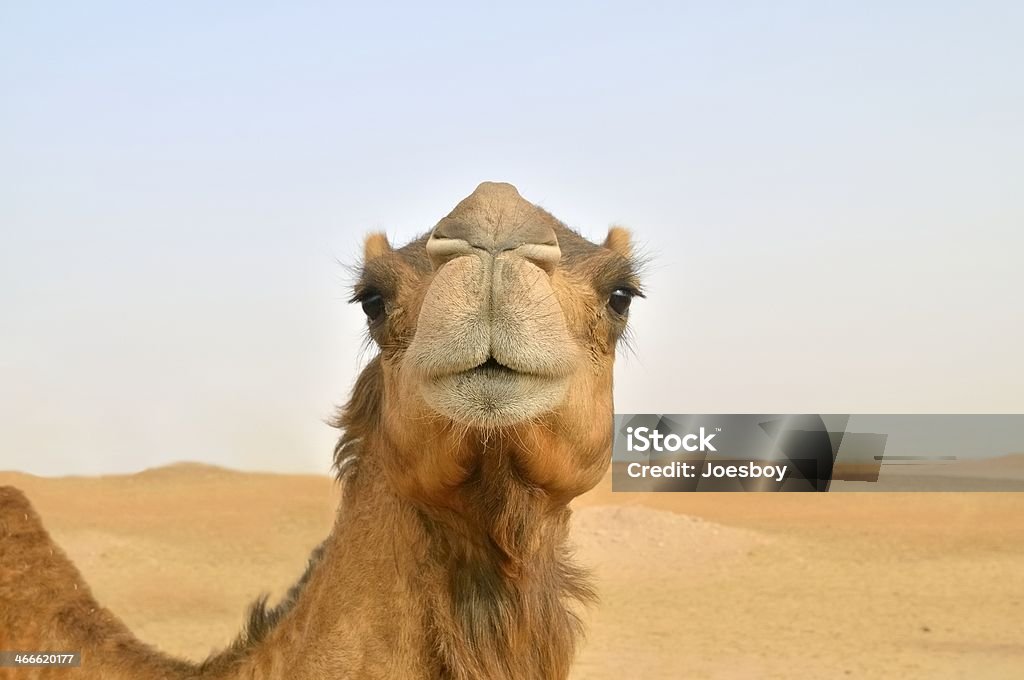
<point>492,371</point>
<point>501,373</point>
<point>483,376</point>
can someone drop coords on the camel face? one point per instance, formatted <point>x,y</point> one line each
<point>491,346</point>
<point>500,321</point>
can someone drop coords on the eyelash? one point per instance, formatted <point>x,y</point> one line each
<point>373,304</point>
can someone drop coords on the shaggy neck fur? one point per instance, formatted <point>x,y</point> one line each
<point>403,591</point>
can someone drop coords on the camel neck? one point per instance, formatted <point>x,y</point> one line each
<point>407,591</point>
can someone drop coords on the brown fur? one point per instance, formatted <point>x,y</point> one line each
<point>448,558</point>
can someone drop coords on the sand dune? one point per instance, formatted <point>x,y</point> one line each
<point>922,585</point>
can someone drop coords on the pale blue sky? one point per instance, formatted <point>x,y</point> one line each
<point>832,193</point>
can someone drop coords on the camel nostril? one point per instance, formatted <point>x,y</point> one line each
<point>544,255</point>
<point>441,249</point>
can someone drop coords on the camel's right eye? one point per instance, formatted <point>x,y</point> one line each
<point>373,306</point>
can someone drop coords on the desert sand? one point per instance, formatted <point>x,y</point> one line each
<point>841,585</point>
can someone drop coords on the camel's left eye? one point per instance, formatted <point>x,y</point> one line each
<point>619,300</point>
<point>373,306</point>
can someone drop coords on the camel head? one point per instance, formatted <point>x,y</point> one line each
<point>497,333</point>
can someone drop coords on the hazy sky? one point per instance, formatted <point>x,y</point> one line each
<point>833,194</point>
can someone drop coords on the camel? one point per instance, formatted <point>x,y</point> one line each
<point>486,410</point>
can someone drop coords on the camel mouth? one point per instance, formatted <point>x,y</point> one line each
<point>492,394</point>
<point>496,369</point>
<point>493,368</point>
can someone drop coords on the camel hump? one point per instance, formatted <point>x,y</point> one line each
<point>11,496</point>
<point>17,516</point>
<point>46,605</point>
<point>25,546</point>
<point>27,553</point>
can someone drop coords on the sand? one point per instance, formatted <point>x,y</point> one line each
<point>844,585</point>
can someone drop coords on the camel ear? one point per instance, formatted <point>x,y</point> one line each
<point>619,241</point>
<point>375,245</point>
